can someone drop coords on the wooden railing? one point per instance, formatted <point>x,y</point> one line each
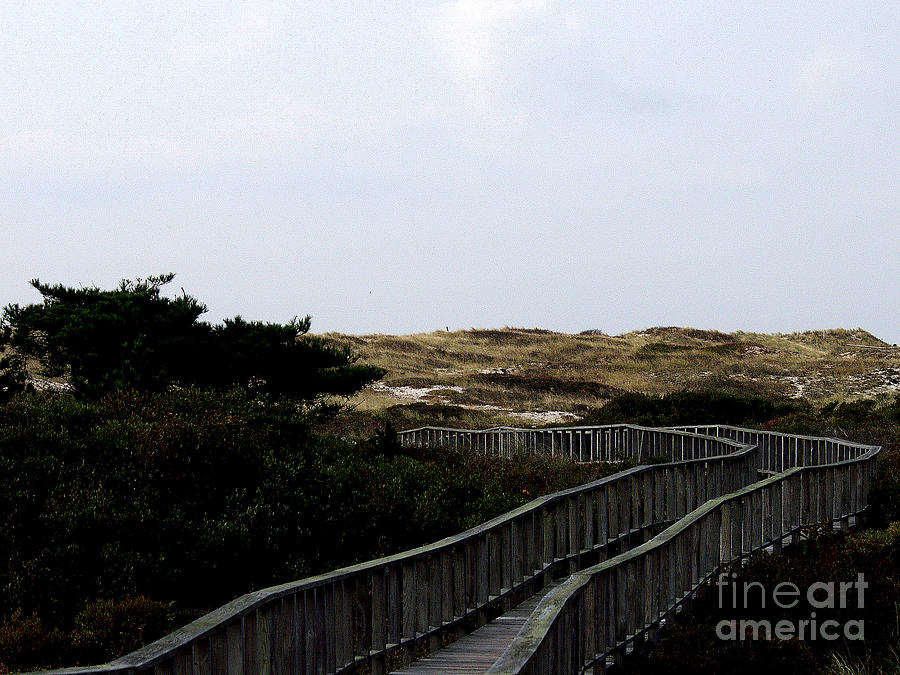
<point>359,616</point>
<point>779,452</point>
<point>607,443</point>
<point>594,615</point>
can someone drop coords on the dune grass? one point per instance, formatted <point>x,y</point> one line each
<point>507,374</point>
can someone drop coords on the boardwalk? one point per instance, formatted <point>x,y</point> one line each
<point>630,549</point>
<point>478,651</point>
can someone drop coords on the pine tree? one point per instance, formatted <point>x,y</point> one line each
<point>133,337</point>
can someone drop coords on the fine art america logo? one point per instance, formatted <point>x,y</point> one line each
<point>821,595</point>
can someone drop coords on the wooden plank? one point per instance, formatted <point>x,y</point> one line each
<point>495,560</point>
<point>482,565</point>
<point>346,619</point>
<point>612,493</point>
<point>589,521</point>
<point>299,664</point>
<point>560,537</point>
<point>659,507</point>
<point>446,584</point>
<point>530,545</point>
<point>218,652</point>
<point>409,610</point>
<point>625,498</point>
<point>573,516</point>
<point>506,556</point>
<point>235,644</point>
<point>518,564</point>
<point>602,515</point>
<point>251,655</point>
<point>283,647</point>
<point>435,585</point>
<point>394,598</point>
<point>647,506</point>
<point>422,594</point>
<point>476,652</point>
<point>691,488</point>
<point>200,658</point>
<point>378,610</point>
<point>331,600</point>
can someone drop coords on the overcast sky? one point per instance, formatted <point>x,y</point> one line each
<point>408,166</point>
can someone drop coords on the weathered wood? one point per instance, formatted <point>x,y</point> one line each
<point>409,610</point>
<point>710,525</point>
<point>394,600</point>
<point>235,647</point>
<point>589,521</point>
<point>574,525</point>
<point>218,652</point>
<point>602,510</point>
<point>200,658</point>
<point>561,539</point>
<point>421,564</point>
<point>379,615</point>
<point>435,585</point>
<point>283,637</point>
<point>305,626</point>
<point>251,655</point>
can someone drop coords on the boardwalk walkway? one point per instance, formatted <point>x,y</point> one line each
<point>476,652</point>
<point>635,546</point>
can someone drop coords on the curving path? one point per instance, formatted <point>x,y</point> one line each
<point>592,570</point>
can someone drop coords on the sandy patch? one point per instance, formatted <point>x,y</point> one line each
<point>413,393</point>
<point>536,416</point>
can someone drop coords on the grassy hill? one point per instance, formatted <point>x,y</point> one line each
<point>532,376</point>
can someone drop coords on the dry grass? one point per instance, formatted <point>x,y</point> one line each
<point>525,377</point>
<point>511,372</point>
<point>843,664</point>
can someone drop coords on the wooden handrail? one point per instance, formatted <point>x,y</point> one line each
<point>571,630</point>
<point>357,616</point>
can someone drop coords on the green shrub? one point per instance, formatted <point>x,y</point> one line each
<point>659,349</point>
<point>117,627</point>
<point>693,647</point>
<point>198,496</point>
<point>690,407</point>
<point>885,492</point>
<point>25,643</point>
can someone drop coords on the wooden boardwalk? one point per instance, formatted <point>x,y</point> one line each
<point>724,493</point>
<point>476,652</point>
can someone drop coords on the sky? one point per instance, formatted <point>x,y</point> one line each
<point>401,167</point>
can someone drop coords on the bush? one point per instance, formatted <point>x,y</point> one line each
<point>26,644</point>
<point>199,496</point>
<point>885,492</point>
<point>693,646</point>
<point>154,494</point>
<point>118,627</point>
<point>694,649</point>
<point>690,407</point>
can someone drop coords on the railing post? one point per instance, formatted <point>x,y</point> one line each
<point>574,518</point>
<point>435,599</point>
<point>725,534</point>
<point>777,516</point>
<point>378,623</point>
<point>421,599</point>
<point>603,517</point>
<point>409,611</point>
